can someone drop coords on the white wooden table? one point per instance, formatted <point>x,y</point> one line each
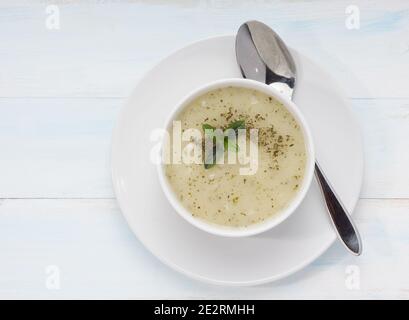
<point>61,232</point>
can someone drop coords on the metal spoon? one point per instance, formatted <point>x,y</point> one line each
<point>263,56</point>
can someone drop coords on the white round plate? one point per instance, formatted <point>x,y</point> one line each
<point>231,261</point>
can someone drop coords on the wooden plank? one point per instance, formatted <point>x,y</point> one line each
<point>60,148</point>
<point>385,127</point>
<point>101,50</point>
<point>97,256</point>
<point>56,147</point>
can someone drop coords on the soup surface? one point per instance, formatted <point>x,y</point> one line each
<point>219,193</point>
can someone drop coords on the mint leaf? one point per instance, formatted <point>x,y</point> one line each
<point>235,125</point>
<point>210,161</point>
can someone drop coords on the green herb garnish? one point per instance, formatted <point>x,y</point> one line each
<point>236,125</point>
<point>210,161</point>
<point>207,126</point>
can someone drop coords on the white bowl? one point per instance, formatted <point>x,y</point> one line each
<point>277,218</point>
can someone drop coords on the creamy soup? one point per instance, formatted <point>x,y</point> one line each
<point>218,193</point>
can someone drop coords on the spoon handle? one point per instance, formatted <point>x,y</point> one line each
<point>341,220</point>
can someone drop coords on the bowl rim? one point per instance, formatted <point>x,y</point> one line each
<point>276,219</point>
